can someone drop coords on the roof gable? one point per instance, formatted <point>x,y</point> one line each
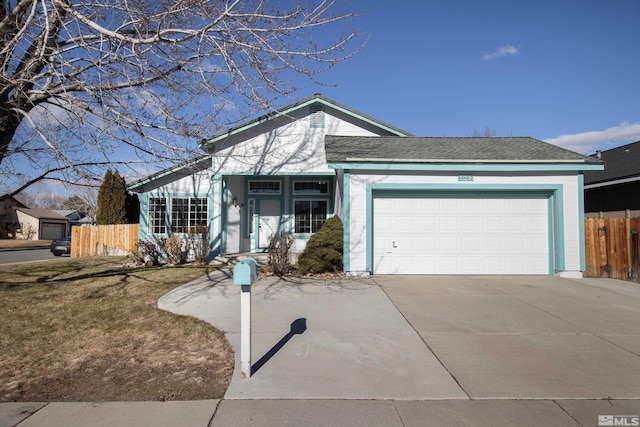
<point>356,149</point>
<point>316,99</point>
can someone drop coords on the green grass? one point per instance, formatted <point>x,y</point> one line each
<point>60,317</point>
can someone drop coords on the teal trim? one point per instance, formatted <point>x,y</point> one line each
<point>329,198</point>
<point>277,174</point>
<point>287,111</point>
<point>365,119</point>
<point>144,216</point>
<point>141,183</point>
<point>169,197</point>
<point>346,221</point>
<point>551,220</point>
<point>369,226</point>
<point>211,202</point>
<point>554,193</point>
<point>468,167</point>
<point>223,216</point>
<point>558,202</point>
<point>216,219</point>
<point>583,257</point>
<point>257,198</point>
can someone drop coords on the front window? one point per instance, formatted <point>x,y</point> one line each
<point>158,215</point>
<point>264,187</point>
<point>311,187</point>
<point>188,214</point>
<point>310,215</point>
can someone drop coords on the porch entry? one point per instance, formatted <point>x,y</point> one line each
<point>268,221</point>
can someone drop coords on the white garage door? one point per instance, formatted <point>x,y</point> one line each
<point>460,236</point>
<point>52,231</point>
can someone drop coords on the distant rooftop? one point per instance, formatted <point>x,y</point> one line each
<point>620,163</point>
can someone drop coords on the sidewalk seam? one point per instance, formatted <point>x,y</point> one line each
<point>395,408</point>
<point>32,414</point>
<point>555,402</point>
<point>215,411</point>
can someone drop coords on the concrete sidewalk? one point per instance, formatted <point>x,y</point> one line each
<point>312,413</point>
<point>405,351</point>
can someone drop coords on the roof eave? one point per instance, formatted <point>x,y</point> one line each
<point>297,106</point>
<point>474,165</point>
<point>135,186</point>
<point>612,182</point>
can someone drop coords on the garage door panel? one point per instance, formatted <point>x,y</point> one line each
<point>448,224</point>
<point>472,243</point>
<point>52,231</point>
<point>461,236</point>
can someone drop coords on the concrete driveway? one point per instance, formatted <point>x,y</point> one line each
<point>528,337</point>
<point>429,338</point>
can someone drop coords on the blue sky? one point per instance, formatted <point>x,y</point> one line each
<point>563,71</point>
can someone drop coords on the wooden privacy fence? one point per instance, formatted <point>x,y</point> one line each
<point>611,246</point>
<point>94,240</point>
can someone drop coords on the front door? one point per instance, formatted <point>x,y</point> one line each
<point>268,222</point>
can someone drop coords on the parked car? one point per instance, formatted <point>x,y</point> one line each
<point>61,246</point>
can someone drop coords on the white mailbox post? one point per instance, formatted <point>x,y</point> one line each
<point>244,274</point>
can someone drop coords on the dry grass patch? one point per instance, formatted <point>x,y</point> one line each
<point>89,329</point>
<point>17,243</point>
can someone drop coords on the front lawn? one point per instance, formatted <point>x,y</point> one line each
<point>88,329</point>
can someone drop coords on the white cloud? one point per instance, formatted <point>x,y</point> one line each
<point>589,142</point>
<point>501,52</point>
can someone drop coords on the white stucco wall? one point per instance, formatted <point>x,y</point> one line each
<point>358,202</point>
<point>286,145</point>
<point>180,185</point>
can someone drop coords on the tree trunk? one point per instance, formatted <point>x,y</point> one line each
<point>9,122</point>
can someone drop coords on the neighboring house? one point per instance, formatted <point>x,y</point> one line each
<point>617,188</point>
<point>410,205</point>
<point>40,224</point>
<point>8,218</point>
<point>75,218</point>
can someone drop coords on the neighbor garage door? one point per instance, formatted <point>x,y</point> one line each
<point>51,231</point>
<point>460,235</point>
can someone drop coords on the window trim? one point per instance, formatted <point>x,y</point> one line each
<point>151,216</point>
<point>257,193</point>
<point>192,216</point>
<point>310,200</point>
<point>295,193</point>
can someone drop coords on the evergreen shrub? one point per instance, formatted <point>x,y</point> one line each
<point>324,249</point>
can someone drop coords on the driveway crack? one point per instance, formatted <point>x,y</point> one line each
<point>426,344</point>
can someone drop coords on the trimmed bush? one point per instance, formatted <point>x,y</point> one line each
<point>323,252</point>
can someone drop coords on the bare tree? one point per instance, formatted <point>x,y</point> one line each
<point>87,84</point>
<point>487,133</point>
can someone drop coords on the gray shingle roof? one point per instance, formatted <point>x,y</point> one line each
<point>42,214</point>
<point>353,149</point>
<point>621,162</point>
